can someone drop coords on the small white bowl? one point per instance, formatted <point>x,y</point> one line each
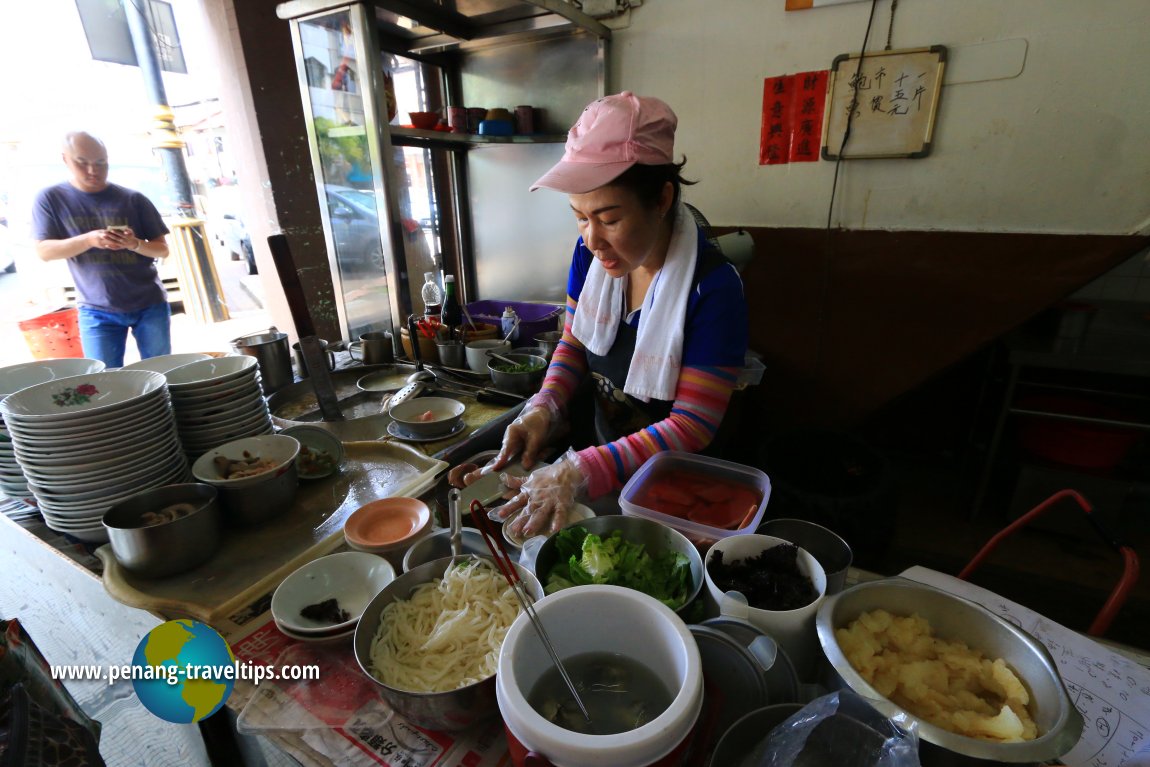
<point>476,352</point>
<point>281,450</point>
<point>166,362</point>
<point>209,372</point>
<point>316,439</point>
<point>445,415</point>
<point>352,578</point>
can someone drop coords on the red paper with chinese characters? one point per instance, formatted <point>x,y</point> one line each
<point>808,106</point>
<point>792,126</point>
<point>775,139</point>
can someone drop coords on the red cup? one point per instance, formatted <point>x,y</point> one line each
<point>457,119</point>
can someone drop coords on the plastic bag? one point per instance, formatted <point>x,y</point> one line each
<point>40,723</point>
<point>838,730</point>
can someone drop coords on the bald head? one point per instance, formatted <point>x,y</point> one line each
<point>87,161</point>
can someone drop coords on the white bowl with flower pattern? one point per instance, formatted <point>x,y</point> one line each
<point>13,378</point>
<point>86,395</point>
<point>153,404</point>
<point>82,464</point>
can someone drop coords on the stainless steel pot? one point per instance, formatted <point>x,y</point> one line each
<point>160,550</point>
<point>453,710</point>
<point>271,351</point>
<point>951,617</point>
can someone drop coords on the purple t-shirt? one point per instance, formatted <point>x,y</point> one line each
<point>109,280</point>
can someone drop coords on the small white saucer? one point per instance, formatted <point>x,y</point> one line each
<point>316,638</point>
<point>398,432</point>
<point>577,513</point>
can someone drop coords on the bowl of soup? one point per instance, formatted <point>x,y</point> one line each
<point>615,643</point>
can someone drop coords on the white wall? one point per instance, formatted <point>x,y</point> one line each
<point>1060,148</point>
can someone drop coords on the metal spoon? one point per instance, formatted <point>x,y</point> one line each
<point>454,522</point>
<point>501,358</point>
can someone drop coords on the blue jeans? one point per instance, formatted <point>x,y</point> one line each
<point>104,334</point>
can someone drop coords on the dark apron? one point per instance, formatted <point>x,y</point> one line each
<point>618,414</point>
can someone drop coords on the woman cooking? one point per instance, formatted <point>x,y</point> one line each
<point>655,317</point>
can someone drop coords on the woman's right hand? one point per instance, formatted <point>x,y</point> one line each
<point>526,436</point>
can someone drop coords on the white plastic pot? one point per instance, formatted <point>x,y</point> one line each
<point>600,619</point>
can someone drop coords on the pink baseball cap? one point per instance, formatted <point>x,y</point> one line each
<point>611,135</point>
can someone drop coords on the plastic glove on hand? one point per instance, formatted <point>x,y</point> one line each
<point>538,424</point>
<point>463,475</point>
<point>545,497</point>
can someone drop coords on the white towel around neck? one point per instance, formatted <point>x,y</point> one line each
<point>658,357</point>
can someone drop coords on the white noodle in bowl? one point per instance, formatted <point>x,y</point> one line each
<point>431,640</point>
<point>447,635</point>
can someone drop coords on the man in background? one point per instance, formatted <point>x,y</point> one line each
<point>111,237</point>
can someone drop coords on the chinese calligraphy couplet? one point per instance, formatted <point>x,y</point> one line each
<point>792,123</point>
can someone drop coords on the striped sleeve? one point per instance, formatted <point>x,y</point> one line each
<point>568,365</point>
<point>701,399</point>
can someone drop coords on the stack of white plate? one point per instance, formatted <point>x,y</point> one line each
<point>87,442</point>
<point>13,378</point>
<point>216,401</point>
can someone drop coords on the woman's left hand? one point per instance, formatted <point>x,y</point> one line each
<point>545,496</point>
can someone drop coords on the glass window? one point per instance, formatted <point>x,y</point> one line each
<point>345,167</point>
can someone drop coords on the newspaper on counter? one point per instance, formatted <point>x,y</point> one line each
<point>1110,690</point>
<point>341,718</point>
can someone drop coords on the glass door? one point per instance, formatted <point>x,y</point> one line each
<point>337,87</point>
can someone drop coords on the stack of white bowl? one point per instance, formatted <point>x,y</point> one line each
<point>13,378</point>
<point>165,363</point>
<point>216,401</point>
<point>88,442</point>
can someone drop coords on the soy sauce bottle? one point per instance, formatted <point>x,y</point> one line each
<point>452,314</point>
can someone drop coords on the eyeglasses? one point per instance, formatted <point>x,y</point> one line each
<point>93,164</point>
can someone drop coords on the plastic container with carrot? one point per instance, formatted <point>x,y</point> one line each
<point>704,498</point>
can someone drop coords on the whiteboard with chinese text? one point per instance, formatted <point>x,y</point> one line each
<point>889,98</point>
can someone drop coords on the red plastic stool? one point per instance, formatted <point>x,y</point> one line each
<point>1130,569</point>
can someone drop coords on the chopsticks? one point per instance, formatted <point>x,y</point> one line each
<point>507,567</point>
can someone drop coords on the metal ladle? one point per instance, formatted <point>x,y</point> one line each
<point>454,522</point>
<point>416,380</point>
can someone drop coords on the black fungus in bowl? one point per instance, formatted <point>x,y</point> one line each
<point>770,580</point>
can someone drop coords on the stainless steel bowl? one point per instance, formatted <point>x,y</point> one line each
<point>453,710</point>
<point>656,538</point>
<point>519,383</point>
<point>1059,723</point>
<point>437,545</point>
<point>549,340</point>
<point>741,738</point>
<point>255,504</point>
<point>168,548</point>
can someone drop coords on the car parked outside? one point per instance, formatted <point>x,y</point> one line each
<point>355,227</point>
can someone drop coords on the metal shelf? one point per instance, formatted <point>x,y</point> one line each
<point>433,138</point>
<point>419,26</point>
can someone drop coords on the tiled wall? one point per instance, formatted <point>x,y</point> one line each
<point>1129,281</point>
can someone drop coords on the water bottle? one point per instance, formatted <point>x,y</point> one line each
<point>510,324</point>
<point>431,294</point>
